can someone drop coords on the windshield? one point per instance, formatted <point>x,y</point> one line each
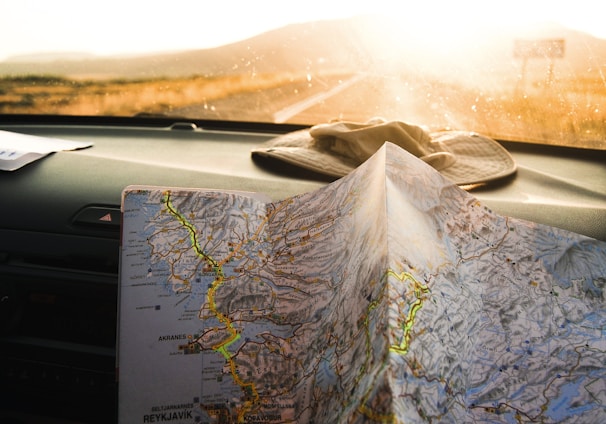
<point>520,71</point>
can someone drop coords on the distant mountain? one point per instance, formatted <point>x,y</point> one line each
<point>49,57</point>
<point>355,44</point>
<point>312,46</point>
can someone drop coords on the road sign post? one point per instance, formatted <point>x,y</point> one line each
<point>550,49</point>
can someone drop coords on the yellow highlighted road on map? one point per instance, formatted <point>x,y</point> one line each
<point>249,389</point>
<point>420,290</point>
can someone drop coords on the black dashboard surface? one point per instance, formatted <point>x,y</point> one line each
<point>556,186</point>
<point>59,238</point>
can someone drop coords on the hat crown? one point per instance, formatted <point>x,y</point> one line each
<point>359,141</point>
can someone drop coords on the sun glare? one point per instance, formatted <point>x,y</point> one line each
<point>121,27</point>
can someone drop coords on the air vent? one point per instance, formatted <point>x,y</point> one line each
<point>108,265</point>
<point>60,252</point>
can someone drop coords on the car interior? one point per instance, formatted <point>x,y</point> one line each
<point>60,216</point>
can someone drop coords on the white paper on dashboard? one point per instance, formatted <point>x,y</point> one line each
<point>17,150</point>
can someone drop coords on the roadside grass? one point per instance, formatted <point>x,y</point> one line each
<point>567,112</point>
<point>121,97</point>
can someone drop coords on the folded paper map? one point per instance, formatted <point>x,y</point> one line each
<point>390,295</point>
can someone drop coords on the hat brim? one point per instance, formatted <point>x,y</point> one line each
<point>478,159</point>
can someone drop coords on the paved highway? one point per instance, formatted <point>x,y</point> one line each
<point>356,97</point>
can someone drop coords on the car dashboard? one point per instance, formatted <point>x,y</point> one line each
<point>60,236</point>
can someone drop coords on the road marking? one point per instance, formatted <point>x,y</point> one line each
<point>292,110</point>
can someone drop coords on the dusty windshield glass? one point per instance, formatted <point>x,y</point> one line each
<point>525,71</point>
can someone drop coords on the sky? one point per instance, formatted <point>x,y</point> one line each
<point>111,27</point>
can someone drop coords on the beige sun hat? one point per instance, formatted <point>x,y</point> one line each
<point>336,149</point>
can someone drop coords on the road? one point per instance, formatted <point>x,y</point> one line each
<point>295,109</point>
<point>357,97</point>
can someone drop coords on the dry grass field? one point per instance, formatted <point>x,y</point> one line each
<point>123,97</point>
<point>566,112</point>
